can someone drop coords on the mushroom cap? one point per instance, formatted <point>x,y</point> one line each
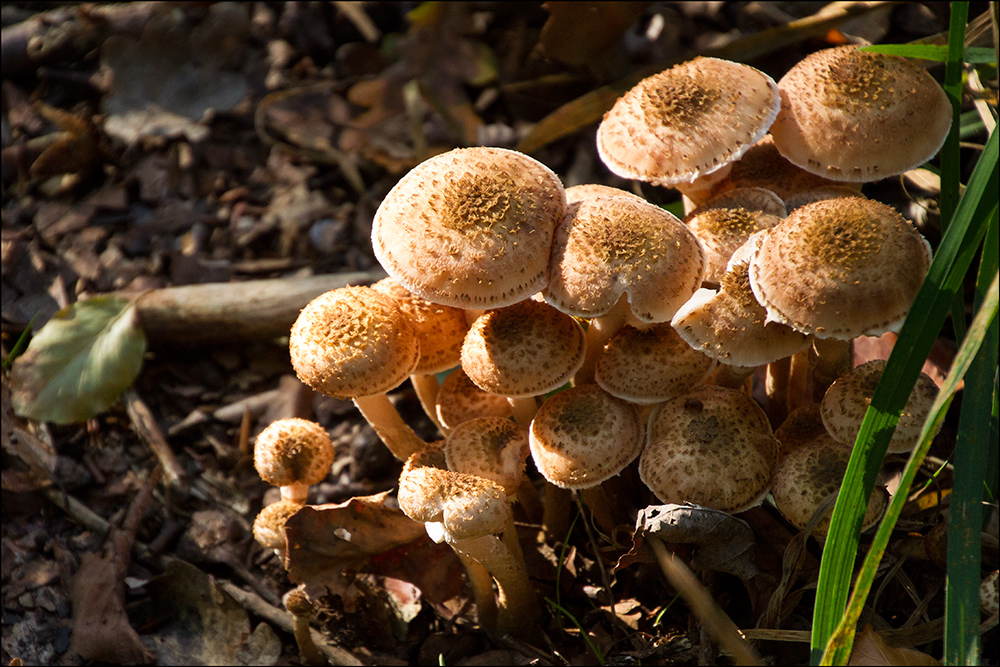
<point>470,228</point>
<point>583,436</point>
<point>727,220</point>
<point>269,526</point>
<point>763,166</point>
<point>799,199</point>
<point>840,268</point>
<point>439,329</point>
<point>293,451</point>
<point>807,475</point>
<point>610,245</point>
<point>351,342</point>
<point>711,446</point>
<point>731,326</point>
<point>989,594</point>
<point>523,350</point>
<point>846,401</point>
<point>587,190</point>
<point>490,447</point>
<point>850,115</point>
<point>687,122</point>
<point>459,399</point>
<point>802,426</point>
<point>468,506</point>
<point>649,365</point>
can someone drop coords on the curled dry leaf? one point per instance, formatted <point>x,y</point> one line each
<point>724,543</point>
<point>871,649</point>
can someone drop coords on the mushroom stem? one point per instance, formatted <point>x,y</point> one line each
<point>830,358</point>
<point>798,393</point>
<point>481,583</point>
<point>397,435</point>
<point>599,332</point>
<point>517,605</point>
<point>776,387</point>
<point>524,409</point>
<point>296,493</point>
<point>426,386</point>
<point>300,607</point>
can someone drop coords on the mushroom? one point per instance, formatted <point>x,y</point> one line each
<point>293,454</point>
<point>684,126</point>
<point>440,331</point>
<point>988,594</point>
<point>522,351</point>
<point>846,401</point>
<point>582,437</point>
<point>354,343</point>
<point>850,115</point>
<point>800,199</point>
<point>802,426</point>
<point>469,512</point>
<point>269,526</point>
<point>808,475</point>
<point>727,220</point>
<point>459,399</point>
<point>616,258</point>
<point>301,608</point>
<point>470,228</point>
<point>711,446</point>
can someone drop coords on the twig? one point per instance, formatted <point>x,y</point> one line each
<point>145,425</point>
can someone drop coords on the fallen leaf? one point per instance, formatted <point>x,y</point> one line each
<point>79,362</point>
<point>579,33</point>
<point>871,649</point>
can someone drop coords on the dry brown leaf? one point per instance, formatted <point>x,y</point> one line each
<point>871,649</point>
<point>578,33</point>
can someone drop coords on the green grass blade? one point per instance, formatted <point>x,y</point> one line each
<point>944,278</point>
<point>950,153</point>
<point>975,55</point>
<point>972,454</point>
<point>838,650</point>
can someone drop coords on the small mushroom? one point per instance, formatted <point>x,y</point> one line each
<point>459,399</point>
<point>301,608</point>
<point>269,526</point>
<point>293,454</point>
<point>470,228</point>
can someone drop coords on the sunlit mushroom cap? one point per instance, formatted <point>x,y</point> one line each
<point>470,228</point>
<point>840,268</point>
<point>687,121</point>
<point>807,475</point>
<point>799,199</point>
<point>762,166</point>
<point>440,329</point>
<point>727,220</point>
<point>353,342</point>
<point>293,451</point>
<point>587,190</point>
<point>849,115</point>
<point>610,245</point>
<point>650,365</point>
<point>523,350</point>
<point>459,399</point>
<point>846,401</point>
<point>489,447</point>
<point>582,436</point>
<point>269,526</point>
<point>711,446</point>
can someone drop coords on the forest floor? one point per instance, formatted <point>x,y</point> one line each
<point>150,145</point>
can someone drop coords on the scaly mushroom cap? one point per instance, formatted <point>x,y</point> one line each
<point>711,446</point>
<point>650,365</point>
<point>807,475</point>
<point>269,526</point>
<point>459,400</point>
<point>803,425</point>
<point>470,228</point>
<point>727,220</point>
<point>731,326</point>
<point>849,115</point>
<point>353,342</point>
<point>468,506</point>
<point>840,268</point>
<point>610,245</point>
<point>440,329</point>
<point>583,436</point>
<point>587,190</point>
<point>800,199</point>
<point>523,350</point>
<point>687,121</point>
<point>846,401</point>
<point>293,451</point>
<point>989,594</point>
<point>490,447</point>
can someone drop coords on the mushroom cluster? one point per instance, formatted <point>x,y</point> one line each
<point>604,338</point>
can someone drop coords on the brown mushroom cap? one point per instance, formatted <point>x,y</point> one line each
<point>523,350</point>
<point>650,365</point>
<point>293,451</point>
<point>846,401</point>
<point>582,436</point>
<point>440,329</point>
<point>802,426</point>
<point>727,220</point>
<point>989,598</point>
<point>711,446</point>
<point>800,199</point>
<point>687,122</point>
<point>269,526</point>
<point>470,228</point>
<point>607,246</point>
<point>587,190</point>
<point>459,400</point>
<point>840,268</point>
<point>352,342</point>
<point>807,475</point>
<point>490,447</point>
<point>849,115</point>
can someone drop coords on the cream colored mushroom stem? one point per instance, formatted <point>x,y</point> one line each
<point>398,436</point>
